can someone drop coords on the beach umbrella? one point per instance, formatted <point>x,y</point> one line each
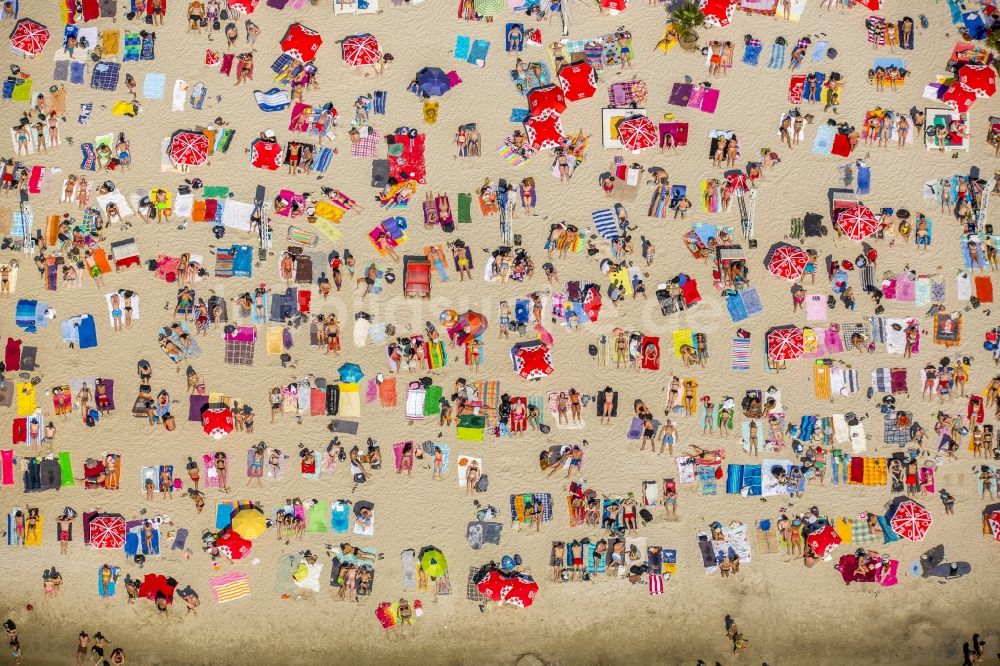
<point>637,132</point>
<point>188,147</point>
<point>489,7</point>
<point>475,321</point>
<point>980,79</point>
<point>266,154</point>
<point>858,222</point>
<point>350,373</point>
<point>217,422</point>
<point>823,540</point>
<point>433,82</point>
<point>249,522</point>
<point>784,343</point>
<point>738,181</point>
<point>532,359</point>
<point>245,6</point>
<point>718,12</point>
<point>786,261</point>
<point>432,561</point>
<point>545,130</point>
<point>360,50</point>
<point>233,545</point>
<point>909,519</point>
<point>578,81</point>
<point>515,589</point>
<point>107,531</point>
<point>154,583</point>
<point>546,98</point>
<point>29,36</point>
<point>301,43</point>
<point>993,521</point>
<point>959,97</point>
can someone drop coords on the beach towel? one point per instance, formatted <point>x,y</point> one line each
<point>230,587</point>
<point>741,354</point>
<point>777,59</point>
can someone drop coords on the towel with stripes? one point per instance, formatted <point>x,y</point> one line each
<point>230,587</point>
<point>274,99</point>
<point>741,354</point>
<point>606,223</point>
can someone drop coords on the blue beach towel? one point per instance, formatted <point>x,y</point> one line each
<point>462,45</point>
<point>477,54</point>
<point>777,60</point>
<point>864,178</point>
<point>823,143</point>
<point>153,84</point>
<point>819,50</point>
<point>751,54</point>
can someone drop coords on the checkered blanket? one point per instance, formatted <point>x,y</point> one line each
<point>861,533</point>
<point>239,352</point>
<point>545,499</point>
<point>894,434</point>
<point>472,589</point>
<point>105,75</point>
<point>367,146</point>
<point>489,393</point>
<point>848,330</point>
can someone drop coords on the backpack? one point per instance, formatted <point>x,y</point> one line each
<point>482,484</point>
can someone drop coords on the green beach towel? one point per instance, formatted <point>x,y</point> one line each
<point>432,400</point>
<point>67,469</point>
<point>464,208</point>
<point>318,517</point>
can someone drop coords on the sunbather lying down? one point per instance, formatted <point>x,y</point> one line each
<point>706,456</point>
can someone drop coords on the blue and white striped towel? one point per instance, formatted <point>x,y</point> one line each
<point>274,99</point>
<point>606,223</point>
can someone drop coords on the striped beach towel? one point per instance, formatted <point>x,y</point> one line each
<point>510,156</point>
<point>230,587</point>
<point>606,223</point>
<point>274,99</point>
<point>367,146</point>
<point>741,353</point>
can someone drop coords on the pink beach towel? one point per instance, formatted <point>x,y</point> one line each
<point>816,308</point>
<point>890,577</point>
<point>211,479</point>
<point>7,467</point>
<point>710,100</point>
<point>906,288</point>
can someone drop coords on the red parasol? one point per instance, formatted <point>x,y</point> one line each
<point>823,541</point>
<point>718,12</point>
<point>858,222</point>
<point>785,343</point>
<point>738,182</point>
<point>546,98</point>
<point>233,545</point>
<point>29,36</point>
<point>579,81</point>
<point>514,589</point>
<point>188,147</point>
<point>637,132</point>
<point>532,360</point>
<point>245,6</point>
<point>301,42</point>
<point>959,97</point>
<point>107,531</point>
<point>910,520</point>
<point>545,130</point>
<point>266,154</point>
<point>154,583</point>
<point>873,5</point>
<point>787,261</point>
<point>980,79</point>
<point>217,422</point>
<point>360,50</point>
<point>993,520</point>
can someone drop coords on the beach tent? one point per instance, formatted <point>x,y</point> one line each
<point>546,98</point>
<point>266,154</point>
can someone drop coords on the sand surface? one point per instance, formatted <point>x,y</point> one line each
<point>788,611</point>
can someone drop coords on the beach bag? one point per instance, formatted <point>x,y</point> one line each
<point>544,429</point>
<point>482,484</point>
<point>646,516</point>
<point>359,478</point>
<point>168,422</point>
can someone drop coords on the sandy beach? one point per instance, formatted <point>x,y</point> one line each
<point>791,614</point>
